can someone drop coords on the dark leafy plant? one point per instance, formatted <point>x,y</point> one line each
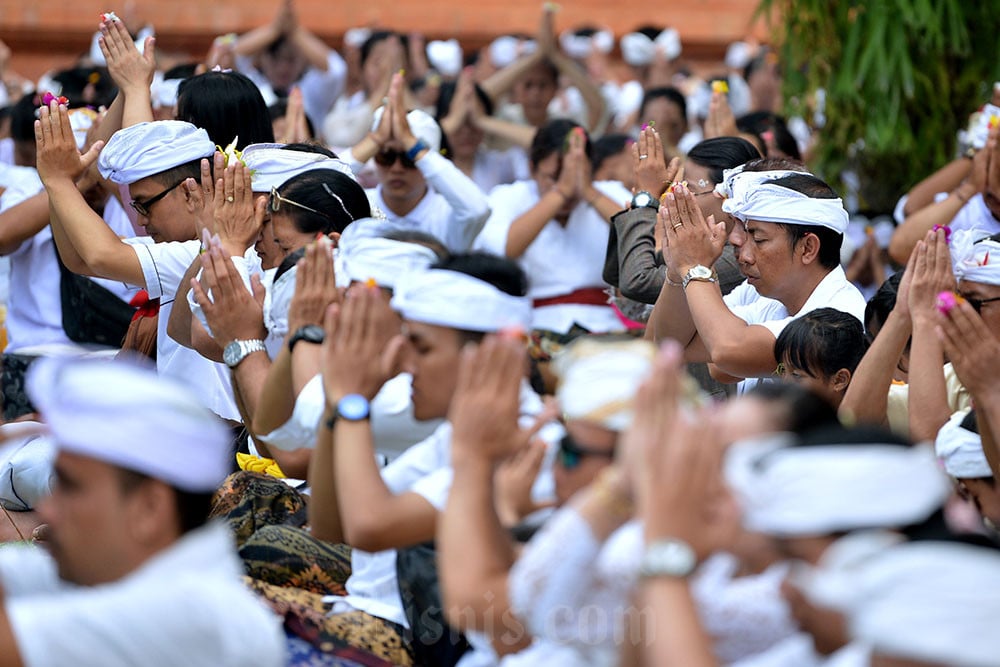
<point>901,77</point>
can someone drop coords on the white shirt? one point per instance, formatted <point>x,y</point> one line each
<point>348,122</point>
<point>834,291</point>
<point>184,606</point>
<point>572,590</point>
<point>394,428</point>
<point>319,89</point>
<point>425,469</point>
<point>453,210</point>
<point>974,215</point>
<point>499,167</point>
<point>561,259</point>
<point>163,267</point>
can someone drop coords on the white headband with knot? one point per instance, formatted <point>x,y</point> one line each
<point>961,450</point>
<point>934,602</point>
<point>272,165</point>
<point>750,195</point>
<point>506,49</point>
<point>975,262</point>
<point>598,379</point>
<point>445,56</point>
<point>128,416</point>
<point>459,301</point>
<point>581,46</point>
<point>818,490</point>
<point>638,49</point>
<point>383,260</point>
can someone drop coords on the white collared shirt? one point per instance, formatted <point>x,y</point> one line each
<point>186,605</point>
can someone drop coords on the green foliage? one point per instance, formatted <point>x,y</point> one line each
<point>901,77</point>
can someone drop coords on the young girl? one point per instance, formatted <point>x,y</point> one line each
<point>821,351</point>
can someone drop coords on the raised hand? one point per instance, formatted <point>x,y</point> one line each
<point>570,178</point>
<point>315,286</point>
<point>691,238</point>
<point>232,312</point>
<point>652,174</point>
<point>484,412</point>
<point>514,480</point>
<point>57,155</point>
<point>932,274</point>
<point>238,218</point>
<point>400,125</point>
<point>973,349</point>
<point>132,71</point>
<point>720,121</point>
<point>362,346</point>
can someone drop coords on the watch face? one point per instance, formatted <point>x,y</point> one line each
<point>353,407</point>
<point>701,272</point>
<point>642,199</point>
<point>231,354</point>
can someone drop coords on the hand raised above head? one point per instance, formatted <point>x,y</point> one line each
<point>315,286</point>
<point>932,274</point>
<point>57,155</point>
<point>130,69</point>
<point>652,174</point>
<point>237,215</point>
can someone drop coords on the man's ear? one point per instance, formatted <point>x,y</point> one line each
<point>809,246</point>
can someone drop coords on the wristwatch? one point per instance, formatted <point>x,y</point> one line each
<point>310,333</point>
<point>643,199</point>
<point>353,408</point>
<point>668,558</point>
<point>700,273</point>
<point>238,350</point>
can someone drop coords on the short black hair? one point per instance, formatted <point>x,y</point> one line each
<point>446,95</point>
<point>801,409</point>
<point>759,122</point>
<point>420,238</point>
<point>181,172</point>
<point>280,108</point>
<point>86,86</point>
<point>22,119</point>
<point>310,147</point>
<point>379,36</point>
<point>228,106</point>
<point>668,93</point>
<point>882,302</point>
<point>822,342</point>
<point>722,153</point>
<point>193,509</point>
<point>182,71</point>
<point>608,146</point>
<point>316,189</point>
<point>829,239</point>
<point>552,138</point>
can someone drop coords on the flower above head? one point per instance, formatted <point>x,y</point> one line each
<point>947,232</point>
<point>48,98</point>
<point>230,152</point>
<point>993,122</point>
<point>109,17</point>
<point>719,86</point>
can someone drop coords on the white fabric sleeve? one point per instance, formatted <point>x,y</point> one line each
<point>164,264</point>
<point>469,207</point>
<point>506,203</point>
<point>553,574</point>
<point>26,569</point>
<point>321,89</point>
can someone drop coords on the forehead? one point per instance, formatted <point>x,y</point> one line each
<point>770,229</point>
<point>430,335</point>
<point>549,165</point>
<point>145,188</point>
<point>82,469</point>
<point>978,289</point>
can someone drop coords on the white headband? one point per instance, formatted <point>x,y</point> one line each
<point>817,490</point>
<point>638,49</point>
<point>961,450</point>
<point>506,49</point>
<point>271,165</point>
<point>383,260</point>
<point>445,56</point>
<point>977,262</point>
<point>581,46</point>
<point>356,37</point>
<point>935,602</point>
<point>598,379</point>
<point>128,416</point>
<point>751,196</point>
<point>452,299</point>
<point>146,149</point>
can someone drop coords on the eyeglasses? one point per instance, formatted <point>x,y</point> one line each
<point>977,304</point>
<point>570,453</point>
<point>277,200</point>
<point>388,157</point>
<point>142,206</point>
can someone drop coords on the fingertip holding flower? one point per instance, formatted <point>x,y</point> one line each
<point>513,332</point>
<point>947,232</point>
<point>946,301</point>
<point>370,283</point>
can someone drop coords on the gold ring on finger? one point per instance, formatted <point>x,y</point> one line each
<point>679,224</point>
<point>230,199</point>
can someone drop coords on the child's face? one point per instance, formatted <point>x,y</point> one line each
<point>830,389</point>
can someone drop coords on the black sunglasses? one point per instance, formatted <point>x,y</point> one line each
<point>571,453</point>
<point>977,304</point>
<point>388,157</point>
<point>142,206</point>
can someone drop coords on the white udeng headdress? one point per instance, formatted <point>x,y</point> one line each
<point>457,300</point>
<point>817,490</point>
<point>598,379</point>
<point>146,149</point>
<point>961,450</point>
<point>751,196</point>
<point>128,416</point>
<point>581,46</point>
<point>975,262</point>
<point>638,49</point>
